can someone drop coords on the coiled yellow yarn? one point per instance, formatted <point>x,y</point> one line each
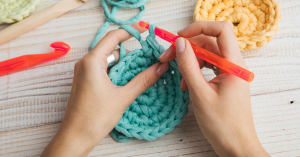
<point>16,10</point>
<point>254,21</point>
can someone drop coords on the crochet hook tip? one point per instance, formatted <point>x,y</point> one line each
<point>60,46</point>
<point>25,61</point>
<point>144,24</point>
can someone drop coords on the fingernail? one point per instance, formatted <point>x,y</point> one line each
<point>162,69</point>
<point>180,46</point>
<point>163,54</point>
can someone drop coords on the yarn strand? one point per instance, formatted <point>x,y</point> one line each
<point>110,16</point>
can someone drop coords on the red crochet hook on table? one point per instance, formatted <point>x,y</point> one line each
<point>205,55</point>
<point>23,62</point>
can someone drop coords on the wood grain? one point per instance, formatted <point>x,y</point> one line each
<point>33,101</point>
<point>276,120</point>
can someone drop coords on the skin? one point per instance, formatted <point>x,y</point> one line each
<point>222,106</point>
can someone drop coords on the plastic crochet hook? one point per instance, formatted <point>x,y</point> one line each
<point>23,62</point>
<point>206,55</point>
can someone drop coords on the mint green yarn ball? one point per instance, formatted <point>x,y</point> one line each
<point>16,10</point>
<point>159,109</point>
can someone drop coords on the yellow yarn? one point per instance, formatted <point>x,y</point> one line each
<point>16,10</point>
<point>254,21</point>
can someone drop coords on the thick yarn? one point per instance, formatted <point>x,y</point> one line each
<point>158,110</point>
<point>16,10</point>
<point>256,20</point>
<point>110,16</point>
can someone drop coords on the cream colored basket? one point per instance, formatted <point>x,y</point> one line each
<point>16,10</point>
<point>254,21</point>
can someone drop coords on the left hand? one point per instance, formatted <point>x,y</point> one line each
<point>96,105</point>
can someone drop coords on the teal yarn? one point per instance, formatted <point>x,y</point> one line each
<point>159,109</point>
<point>110,16</point>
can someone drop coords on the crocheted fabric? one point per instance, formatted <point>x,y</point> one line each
<point>110,16</point>
<point>158,110</point>
<point>254,21</point>
<point>16,10</point>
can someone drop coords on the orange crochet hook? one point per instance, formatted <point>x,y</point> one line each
<point>205,55</point>
<point>23,62</point>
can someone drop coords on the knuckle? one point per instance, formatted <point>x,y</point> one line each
<point>76,65</point>
<point>211,39</point>
<point>147,81</point>
<point>186,66</point>
<point>85,63</point>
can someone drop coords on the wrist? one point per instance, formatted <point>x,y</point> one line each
<point>67,145</point>
<point>248,147</point>
<point>75,140</point>
<point>82,133</point>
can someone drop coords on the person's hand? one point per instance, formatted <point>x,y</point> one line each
<point>96,105</point>
<point>222,106</point>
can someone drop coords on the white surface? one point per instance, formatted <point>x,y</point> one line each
<point>33,101</point>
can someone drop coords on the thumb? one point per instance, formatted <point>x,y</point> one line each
<point>189,66</point>
<point>144,80</point>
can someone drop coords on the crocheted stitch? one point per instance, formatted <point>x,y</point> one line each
<point>254,21</point>
<point>158,110</point>
<point>110,16</point>
<point>16,10</point>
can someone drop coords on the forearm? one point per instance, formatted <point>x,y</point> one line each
<point>65,145</point>
<point>251,148</point>
<point>229,139</point>
<point>73,141</point>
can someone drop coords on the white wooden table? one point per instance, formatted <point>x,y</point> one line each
<point>33,101</point>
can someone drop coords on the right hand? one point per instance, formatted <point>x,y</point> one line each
<point>222,106</point>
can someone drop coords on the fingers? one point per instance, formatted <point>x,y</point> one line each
<point>116,53</point>
<point>188,66</point>
<point>109,42</point>
<point>206,42</point>
<point>225,38</point>
<point>183,85</point>
<point>168,55</point>
<point>144,80</point>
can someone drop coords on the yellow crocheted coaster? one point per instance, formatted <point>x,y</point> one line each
<point>16,10</point>
<point>254,21</point>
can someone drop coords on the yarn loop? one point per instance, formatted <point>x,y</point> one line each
<point>254,21</point>
<point>110,16</point>
<point>159,109</point>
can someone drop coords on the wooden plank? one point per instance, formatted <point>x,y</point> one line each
<point>24,96</point>
<point>278,129</point>
<point>38,96</point>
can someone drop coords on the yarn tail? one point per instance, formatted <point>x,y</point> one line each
<point>119,137</point>
<point>99,34</point>
<point>110,16</point>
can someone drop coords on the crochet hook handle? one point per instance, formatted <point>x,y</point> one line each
<point>223,63</point>
<point>22,62</point>
<point>206,55</point>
